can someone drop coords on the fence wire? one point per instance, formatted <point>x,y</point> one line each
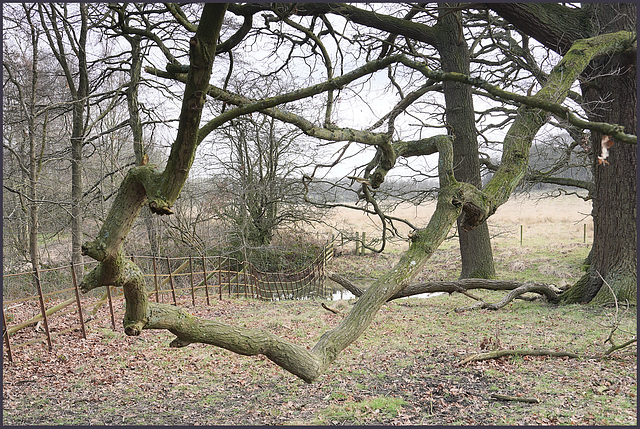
<point>50,301</point>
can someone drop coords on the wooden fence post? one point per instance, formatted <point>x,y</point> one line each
<point>256,286</point>
<point>77,292</point>
<point>252,278</point>
<point>155,278</point>
<point>193,292</point>
<point>173,290</point>
<point>244,276</point>
<point>220,276</point>
<point>206,286</point>
<point>5,334</point>
<point>229,275</point>
<point>36,278</point>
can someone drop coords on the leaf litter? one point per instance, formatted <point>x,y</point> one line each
<point>410,353</point>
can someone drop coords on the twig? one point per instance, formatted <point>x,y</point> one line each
<point>514,398</point>
<point>614,348</point>
<point>615,324</point>
<point>495,354</point>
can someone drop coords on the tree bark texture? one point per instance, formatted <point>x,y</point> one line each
<point>475,245</point>
<point>160,189</point>
<point>609,92</point>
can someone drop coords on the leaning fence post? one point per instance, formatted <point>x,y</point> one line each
<point>155,278</point>
<point>220,276</point>
<point>75,288</point>
<point>36,277</point>
<point>244,276</point>
<point>229,275</point>
<point>113,317</point>
<point>5,334</point>
<point>206,286</point>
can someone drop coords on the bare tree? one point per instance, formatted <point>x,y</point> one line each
<point>160,189</point>
<point>32,110</point>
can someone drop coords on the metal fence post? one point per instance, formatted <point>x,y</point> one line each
<point>36,278</point>
<point>77,292</point>
<point>220,276</point>
<point>193,292</point>
<point>173,290</point>
<point>113,317</point>
<point>155,278</point>
<point>204,273</point>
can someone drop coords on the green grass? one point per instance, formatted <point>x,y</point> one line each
<point>402,370</point>
<point>358,412</point>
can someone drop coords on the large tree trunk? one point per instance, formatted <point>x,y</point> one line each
<point>475,245</point>
<point>610,92</point>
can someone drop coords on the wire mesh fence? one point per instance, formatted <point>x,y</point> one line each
<point>50,302</point>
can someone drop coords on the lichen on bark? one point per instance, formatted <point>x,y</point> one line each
<point>160,190</point>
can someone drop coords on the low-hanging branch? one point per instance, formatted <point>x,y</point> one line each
<point>160,189</point>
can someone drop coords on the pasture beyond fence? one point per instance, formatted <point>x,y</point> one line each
<point>171,280</point>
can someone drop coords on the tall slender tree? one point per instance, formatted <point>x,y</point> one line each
<point>75,69</point>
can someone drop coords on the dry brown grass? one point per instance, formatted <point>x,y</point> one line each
<point>550,220</point>
<point>552,250</point>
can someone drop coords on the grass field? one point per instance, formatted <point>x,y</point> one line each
<point>405,368</point>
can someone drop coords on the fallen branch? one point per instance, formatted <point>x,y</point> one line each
<point>461,286</point>
<point>495,354</point>
<point>346,284</point>
<point>527,287</point>
<point>514,398</point>
<point>326,307</point>
<point>35,319</point>
<point>614,347</point>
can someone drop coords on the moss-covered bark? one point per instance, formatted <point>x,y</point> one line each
<point>146,183</point>
<point>609,91</point>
